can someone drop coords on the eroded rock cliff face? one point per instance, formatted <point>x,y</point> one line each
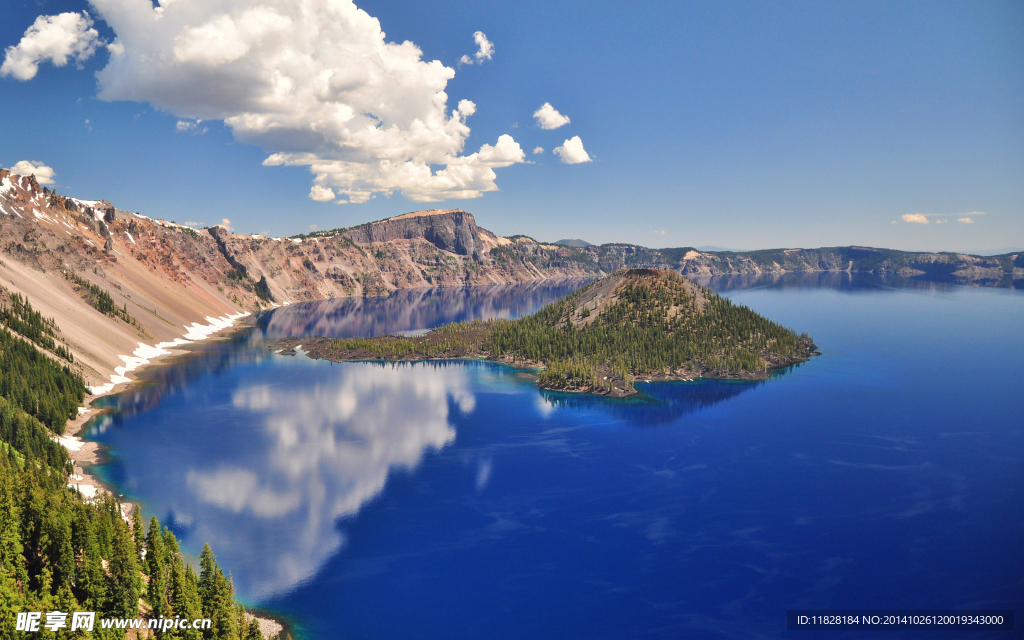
<point>421,249</point>
<point>451,230</point>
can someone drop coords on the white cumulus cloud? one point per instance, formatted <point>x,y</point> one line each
<point>548,117</point>
<point>313,83</point>
<point>58,39</point>
<point>43,173</point>
<point>966,220</point>
<point>572,151</point>
<point>538,150</point>
<point>321,194</point>
<point>485,50</point>
<point>915,218</point>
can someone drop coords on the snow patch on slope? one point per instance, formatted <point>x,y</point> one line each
<point>145,353</point>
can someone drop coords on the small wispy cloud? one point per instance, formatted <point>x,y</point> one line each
<point>485,50</point>
<point>67,37</point>
<point>939,218</point>
<point>915,218</point>
<point>538,150</point>
<point>572,151</point>
<point>483,475</point>
<point>190,126</point>
<point>321,194</point>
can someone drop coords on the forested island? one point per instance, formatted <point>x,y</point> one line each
<point>634,324</point>
<point>62,552</point>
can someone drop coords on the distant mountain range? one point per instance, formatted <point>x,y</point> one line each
<point>709,247</point>
<point>1000,252</point>
<point>114,279</point>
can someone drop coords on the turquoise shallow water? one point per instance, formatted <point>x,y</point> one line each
<point>455,500</point>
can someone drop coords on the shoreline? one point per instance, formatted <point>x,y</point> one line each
<point>84,453</point>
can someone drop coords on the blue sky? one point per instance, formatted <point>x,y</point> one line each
<point>741,125</point>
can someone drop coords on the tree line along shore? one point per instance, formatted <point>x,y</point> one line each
<point>634,324</point>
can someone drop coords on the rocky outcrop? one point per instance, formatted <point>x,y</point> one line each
<point>452,230</point>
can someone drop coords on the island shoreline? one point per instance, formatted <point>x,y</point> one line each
<point>319,349</point>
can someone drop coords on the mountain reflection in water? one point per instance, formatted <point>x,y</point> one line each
<point>412,309</point>
<point>405,310</point>
<point>847,281</point>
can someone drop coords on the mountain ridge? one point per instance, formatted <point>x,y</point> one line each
<point>155,278</point>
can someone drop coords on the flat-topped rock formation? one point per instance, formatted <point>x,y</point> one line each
<point>452,230</point>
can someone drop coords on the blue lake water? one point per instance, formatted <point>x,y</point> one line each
<point>456,500</point>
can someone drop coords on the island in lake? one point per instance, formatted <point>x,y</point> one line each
<point>634,324</point>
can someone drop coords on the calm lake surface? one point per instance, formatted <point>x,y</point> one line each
<point>456,500</point>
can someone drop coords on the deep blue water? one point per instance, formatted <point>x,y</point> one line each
<point>456,500</point>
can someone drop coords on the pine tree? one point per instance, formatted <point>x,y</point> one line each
<point>123,580</point>
<point>155,559</point>
<point>253,632</point>
<point>138,533</point>
<point>207,580</point>
<point>184,597</point>
<point>90,586</point>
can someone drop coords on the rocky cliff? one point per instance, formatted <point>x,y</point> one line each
<point>452,230</point>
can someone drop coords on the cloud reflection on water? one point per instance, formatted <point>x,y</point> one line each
<point>328,450</point>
